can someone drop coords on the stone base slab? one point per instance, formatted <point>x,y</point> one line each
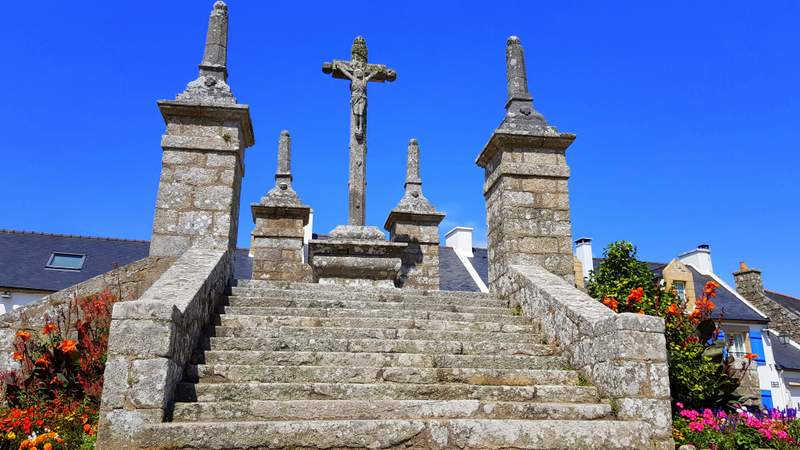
<point>356,256</point>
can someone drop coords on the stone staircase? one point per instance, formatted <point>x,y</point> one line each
<point>314,366</point>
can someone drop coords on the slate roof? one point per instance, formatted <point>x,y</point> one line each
<point>787,356</point>
<point>453,276</point>
<point>24,255</point>
<point>788,302</point>
<point>729,306</point>
<point>480,261</point>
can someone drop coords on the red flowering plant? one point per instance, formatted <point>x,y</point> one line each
<point>53,396</point>
<point>738,429</point>
<point>701,373</point>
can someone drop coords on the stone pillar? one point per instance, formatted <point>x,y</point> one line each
<point>749,285</point>
<point>277,244</point>
<point>526,173</point>
<point>416,222</point>
<point>203,155</point>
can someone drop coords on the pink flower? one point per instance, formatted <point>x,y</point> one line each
<point>690,414</point>
<point>696,426</point>
<point>679,405</point>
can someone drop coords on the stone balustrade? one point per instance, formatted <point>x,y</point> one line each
<point>151,341</point>
<point>624,355</point>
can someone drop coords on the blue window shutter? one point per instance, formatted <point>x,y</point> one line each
<point>766,398</point>
<point>757,346</point>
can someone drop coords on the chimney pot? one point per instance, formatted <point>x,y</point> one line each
<point>583,251</point>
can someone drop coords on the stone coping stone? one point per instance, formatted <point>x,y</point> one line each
<point>315,287</point>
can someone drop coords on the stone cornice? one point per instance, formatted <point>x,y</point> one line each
<point>547,139</point>
<point>422,218</point>
<point>280,212</point>
<point>237,112</point>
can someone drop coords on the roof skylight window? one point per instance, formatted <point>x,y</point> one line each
<point>66,261</point>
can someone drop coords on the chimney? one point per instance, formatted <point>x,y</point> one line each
<point>583,251</point>
<point>460,240</point>
<point>699,258</point>
<point>748,281</point>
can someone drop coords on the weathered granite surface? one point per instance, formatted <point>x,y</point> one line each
<point>357,256</point>
<point>750,285</point>
<point>125,283</point>
<point>277,239</point>
<point>151,340</point>
<point>203,155</point>
<point>624,355</point>
<point>527,198</point>
<point>360,73</point>
<point>416,222</point>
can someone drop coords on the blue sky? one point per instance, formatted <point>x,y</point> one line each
<point>686,112</point>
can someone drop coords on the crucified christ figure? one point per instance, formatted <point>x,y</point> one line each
<point>359,77</point>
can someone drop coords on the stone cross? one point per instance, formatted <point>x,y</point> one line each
<point>359,72</point>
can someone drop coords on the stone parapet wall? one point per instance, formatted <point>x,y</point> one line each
<point>624,355</point>
<point>125,283</point>
<point>152,339</point>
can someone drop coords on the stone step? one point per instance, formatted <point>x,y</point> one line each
<point>233,321</point>
<point>563,389</point>
<point>507,317</point>
<point>231,373</point>
<point>407,434</point>
<point>374,333</point>
<point>375,295</point>
<point>348,359</point>
<point>314,344</point>
<point>384,409</point>
<point>327,288</point>
<point>268,302</point>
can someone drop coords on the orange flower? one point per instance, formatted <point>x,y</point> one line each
<point>673,310</point>
<point>611,302</point>
<point>692,339</point>
<point>24,335</point>
<point>67,346</point>
<point>17,356</point>
<point>705,305</point>
<point>43,361</point>
<point>87,428</point>
<point>47,446</point>
<point>636,295</point>
<point>750,356</point>
<point>49,328</point>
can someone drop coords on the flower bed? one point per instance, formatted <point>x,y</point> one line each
<point>742,429</point>
<point>52,399</point>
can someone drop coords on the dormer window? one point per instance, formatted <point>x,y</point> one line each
<point>66,261</point>
<point>680,290</point>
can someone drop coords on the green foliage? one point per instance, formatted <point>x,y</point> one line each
<point>619,273</point>
<point>699,376</point>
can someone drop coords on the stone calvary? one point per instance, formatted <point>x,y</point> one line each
<point>346,341</point>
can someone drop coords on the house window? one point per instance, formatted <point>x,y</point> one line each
<point>737,345</point>
<point>67,261</point>
<point>680,290</point>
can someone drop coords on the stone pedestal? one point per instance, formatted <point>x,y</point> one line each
<point>277,244</point>
<point>356,256</point>
<point>420,260</point>
<point>415,222</point>
<point>526,173</point>
<point>201,175</point>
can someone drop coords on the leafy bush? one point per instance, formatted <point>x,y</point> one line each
<point>53,397</point>
<point>700,375</point>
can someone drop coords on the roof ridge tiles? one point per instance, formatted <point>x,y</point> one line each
<point>78,236</point>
